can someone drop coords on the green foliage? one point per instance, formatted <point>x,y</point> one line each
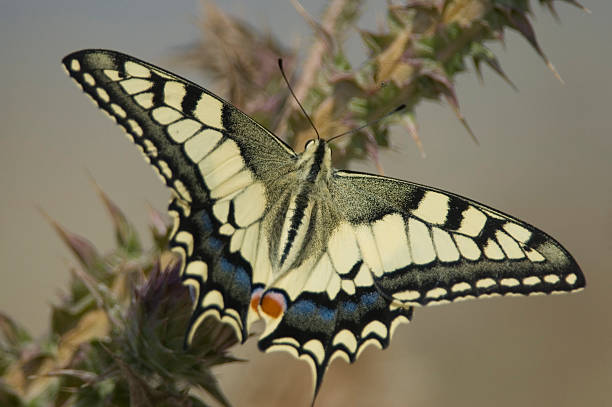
<point>117,336</point>
<point>416,57</point>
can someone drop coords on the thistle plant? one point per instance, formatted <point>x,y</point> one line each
<point>116,336</point>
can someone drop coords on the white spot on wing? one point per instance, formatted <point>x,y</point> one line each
<point>551,278</point>
<point>187,239</point>
<point>209,111</point>
<point>150,147</point>
<point>75,65</point>
<point>118,110</point>
<point>408,295</point>
<point>375,327</point>
<point>214,297</point>
<point>320,276</point>
<point>201,144</point>
<point>467,247</point>
<point>102,94</point>
<point>532,280</point>
<point>509,282</point>
<point>228,150</point>
<point>136,129</point>
<point>145,100</point>
<point>183,129</point>
<point>485,283</point>
<point>165,168</point>
<point>197,268</point>
<point>368,248</point>
<point>174,92</point>
<point>232,185</point>
<point>473,221</point>
<point>165,115</point>
<point>334,285</point>
<point>342,248</point>
<point>250,204</point>
<point>236,241</point>
<point>346,338</point>
<point>436,292</point>
<point>135,85</point>
<point>445,247</point>
<point>182,190</point>
<point>363,277</point>
<point>421,244</point>
<point>571,279</point>
<point>135,69</point>
<point>227,229</point>
<point>433,208</point>
<point>392,242</point>
<point>518,232</point>
<point>348,287</point>
<point>509,245</point>
<point>89,79</point>
<point>315,347</point>
<point>221,211</point>
<point>249,245</point>
<point>459,287</point>
<point>112,74</point>
<point>287,340</point>
<point>533,255</point>
<point>493,251</point>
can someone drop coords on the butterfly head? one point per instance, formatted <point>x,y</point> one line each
<point>316,159</point>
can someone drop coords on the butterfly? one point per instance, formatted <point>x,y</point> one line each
<point>332,260</point>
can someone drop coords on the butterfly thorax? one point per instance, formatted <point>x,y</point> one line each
<point>298,234</point>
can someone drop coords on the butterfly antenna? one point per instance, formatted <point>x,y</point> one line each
<point>280,66</point>
<point>397,109</point>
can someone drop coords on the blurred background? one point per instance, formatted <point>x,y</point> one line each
<point>545,156</point>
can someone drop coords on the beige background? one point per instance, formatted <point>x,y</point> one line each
<point>545,157</point>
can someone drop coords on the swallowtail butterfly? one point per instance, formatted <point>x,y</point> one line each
<point>332,260</point>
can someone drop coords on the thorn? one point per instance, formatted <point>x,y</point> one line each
<point>81,247</point>
<point>554,71</point>
<point>314,24</point>
<point>463,120</point>
<point>414,133</point>
<point>580,6</point>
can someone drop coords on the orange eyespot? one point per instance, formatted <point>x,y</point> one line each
<point>255,297</point>
<point>273,304</point>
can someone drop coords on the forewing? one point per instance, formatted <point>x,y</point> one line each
<point>216,160</point>
<point>427,246</point>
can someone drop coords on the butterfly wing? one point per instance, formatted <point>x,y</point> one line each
<point>215,159</point>
<point>447,247</point>
<point>401,245</point>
